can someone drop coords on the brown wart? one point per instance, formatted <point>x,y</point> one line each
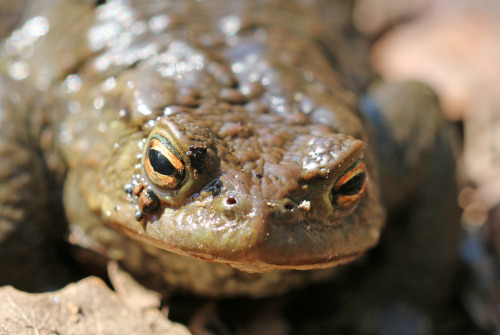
<point>197,156</point>
<point>147,201</point>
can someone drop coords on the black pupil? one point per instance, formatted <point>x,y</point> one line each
<point>353,186</point>
<point>160,163</point>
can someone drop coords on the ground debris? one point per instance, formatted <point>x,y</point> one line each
<point>86,307</point>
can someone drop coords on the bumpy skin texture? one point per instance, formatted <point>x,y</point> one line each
<point>247,96</point>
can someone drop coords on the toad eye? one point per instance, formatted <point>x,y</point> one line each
<point>163,164</point>
<point>350,186</point>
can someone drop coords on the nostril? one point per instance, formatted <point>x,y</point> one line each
<point>231,201</point>
<point>289,206</point>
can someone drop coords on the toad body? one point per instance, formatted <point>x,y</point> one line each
<point>213,146</point>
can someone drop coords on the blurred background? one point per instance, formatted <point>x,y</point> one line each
<point>454,46</point>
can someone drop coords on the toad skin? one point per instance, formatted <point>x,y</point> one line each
<point>212,146</point>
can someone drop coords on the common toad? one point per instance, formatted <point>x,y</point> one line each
<point>217,147</point>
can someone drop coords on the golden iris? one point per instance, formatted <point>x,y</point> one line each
<point>350,187</point>
<point>163,164</point>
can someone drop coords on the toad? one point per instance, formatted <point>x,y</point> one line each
<point>227,148</point>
